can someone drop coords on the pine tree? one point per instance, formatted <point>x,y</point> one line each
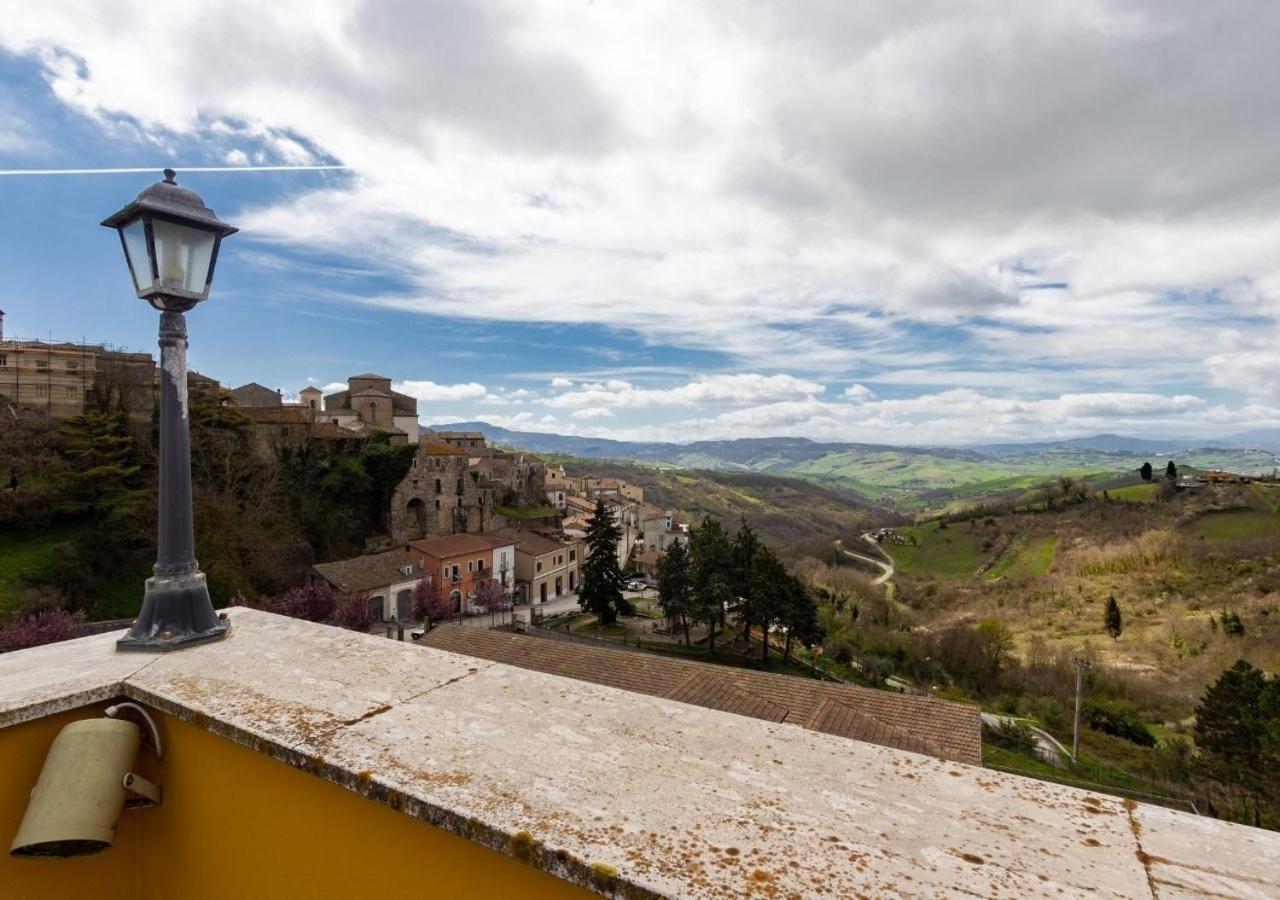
<point>1171,472</point>
<point>675,586</point>
<point>1112,616</point>
<point>1231,727</point>
<point>742,575</point>
<point>711,561</point>
<point>601,591</point>
<point>1145,471</point>
<point>103,481</point>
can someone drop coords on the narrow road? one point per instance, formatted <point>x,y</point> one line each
<point>886,568</point>
<point>1047,746</point>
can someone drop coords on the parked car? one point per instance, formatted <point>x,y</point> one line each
<point>473,609</point>
<point>636,586</point>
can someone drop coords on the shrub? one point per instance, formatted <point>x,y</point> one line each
<point>1231,623</point>
<point>36,629</point>
<point>352,611</point>
<point>1118,718</point>
<point>625,607</point>
<point>1011,735</point>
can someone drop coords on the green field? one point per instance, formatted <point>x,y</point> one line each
<point>1135,493</point>
<point>26,554</point>
<point>945,552</point>
<point>1244,525</point>
<point>1025,558</point>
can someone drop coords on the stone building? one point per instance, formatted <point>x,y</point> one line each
<point>441,495</point>
<point>255,395</point>
<point>370,400</point>
<point>64,379</point>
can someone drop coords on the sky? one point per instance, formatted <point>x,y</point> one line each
<point>910,223</point>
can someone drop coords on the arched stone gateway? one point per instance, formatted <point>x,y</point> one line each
<point>416,518</point>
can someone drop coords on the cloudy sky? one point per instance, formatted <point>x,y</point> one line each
<point>914,223</point>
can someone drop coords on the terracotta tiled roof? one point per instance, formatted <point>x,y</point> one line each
<point>529,542</point>
<point>368,573</point>
<point>448,545</point>
<point>908,722</point>
<point>439,448</point>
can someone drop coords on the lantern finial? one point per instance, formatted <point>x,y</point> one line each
<point>170,176</point>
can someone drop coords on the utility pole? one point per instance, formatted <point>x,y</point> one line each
<point>1081,664</point>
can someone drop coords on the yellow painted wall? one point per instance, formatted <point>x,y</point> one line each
<point>107,875</point>
<point>237,824</point>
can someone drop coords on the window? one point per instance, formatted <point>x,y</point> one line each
<point>42,390</point>
<point>437,504</point>
<point>459,485</point>
<point>42,364</point>
<point>73,366</point>
<point>4,360</point>
<point>70,392</point>
<point>438,489</point>
<point>573,554</point>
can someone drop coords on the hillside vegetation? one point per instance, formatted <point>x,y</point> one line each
<point>789,513</point>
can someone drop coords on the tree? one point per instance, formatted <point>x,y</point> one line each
<point>711,561</point>
<point>490,596</point>
<point>430,603</point>
<point>1171,472</point>
<point>104,479</point>
<point>601,590</point>
<point>1145,471</point>
<point>1231,727</point>
<point>1113,622</point>
<point>743,558</point>
<point>352,611</point>
<point>800,616</point>
<point>768,591</point>
<point>675,586</point>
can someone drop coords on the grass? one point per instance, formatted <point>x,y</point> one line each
<point>595,629</point>
<point>1089,775</point>
<point>1135,493</point>
<point>526,512</point>
<point>945,552</point>
<point>1244,525</point>
<point>1025,558</point>
<point>25,555</point>
<point>727,657</point>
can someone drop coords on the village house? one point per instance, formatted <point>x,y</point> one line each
<point>659,530</point>
<point>388,578</point>
<point>458,562</point>
<point>546,568</point>
<point>370,398</point>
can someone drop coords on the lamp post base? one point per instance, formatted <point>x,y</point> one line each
<point>176,613</point>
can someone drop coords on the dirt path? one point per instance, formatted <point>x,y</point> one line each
<point>886,568</point>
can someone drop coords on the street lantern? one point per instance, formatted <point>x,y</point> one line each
<point>170,240</point>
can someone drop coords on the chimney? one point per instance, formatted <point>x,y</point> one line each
<point>1,324</point>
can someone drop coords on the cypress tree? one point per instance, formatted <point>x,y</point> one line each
<point>1113,622</point>
<point>601,591</point>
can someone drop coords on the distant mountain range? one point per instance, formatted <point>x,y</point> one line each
<point>913,477</point>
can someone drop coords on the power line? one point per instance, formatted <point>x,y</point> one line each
<point>133,171</point>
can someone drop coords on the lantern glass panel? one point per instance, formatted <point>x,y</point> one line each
<point>135,248</point>
<point>183,255</point>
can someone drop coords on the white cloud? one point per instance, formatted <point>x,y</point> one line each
<point>857,393</point>
<point>838,191</point>
<point>429,391</point>
<point>236,157</point>
<point>593,412</point>
<point>743,389</point>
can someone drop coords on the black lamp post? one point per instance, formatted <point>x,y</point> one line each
<point>170,241</point>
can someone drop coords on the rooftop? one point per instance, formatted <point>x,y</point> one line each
<point>530,542</point>
<point>439,448</point>
<point>446,545</point>
<point>937,728</point>
<point>571,777</point>
<point>366,573</point>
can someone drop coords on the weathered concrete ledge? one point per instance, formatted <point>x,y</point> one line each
<point>632,795</point>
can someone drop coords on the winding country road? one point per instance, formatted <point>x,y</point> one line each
<point>886,568</point>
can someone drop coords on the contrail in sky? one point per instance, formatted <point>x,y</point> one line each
<point>177,168</point>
